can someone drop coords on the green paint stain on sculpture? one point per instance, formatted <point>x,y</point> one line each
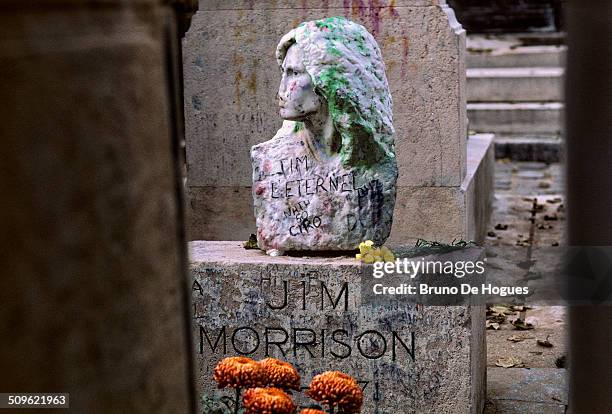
<point>333,24</point>
<point>355,131</point>
<point>349,74</point>
<point>360,43</point>
<point>298,127</point>
<point>333,50</point>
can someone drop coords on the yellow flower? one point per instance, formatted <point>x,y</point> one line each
<point>387,254</point>
<point>363,249</point>
<point>368,258</point>
<point>370,254</point>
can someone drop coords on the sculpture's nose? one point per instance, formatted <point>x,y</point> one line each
<point>282,89</point>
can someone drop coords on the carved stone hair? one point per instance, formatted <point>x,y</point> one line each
<point>346,67</point>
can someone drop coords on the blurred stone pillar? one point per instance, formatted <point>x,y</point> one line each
<point>93,277</point>
<point>589,190</point>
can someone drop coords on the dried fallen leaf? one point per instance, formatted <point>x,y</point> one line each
<point>544,184</point>
<point>561,362</point>
<point>251,243</point>
<point>545,343</point>
<point>492,325</point>
<point>544,227</point>
<point>496,318</point>
<point>509,362</point>
<point>500,310</point>
<point>519,338</point>
<point>521,325</point>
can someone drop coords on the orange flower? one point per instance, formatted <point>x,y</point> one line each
<point>267,401</point>
<point>239,372</point>
<point>312,411</point>
<point>281,374</point>
<point>335,388</point>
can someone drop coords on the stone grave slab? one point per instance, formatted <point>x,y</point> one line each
<point>309,311</point>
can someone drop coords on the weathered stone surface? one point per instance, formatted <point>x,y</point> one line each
<point>230,217</point>
<point>408,359</point>
<point>230,90</point>
<point>302,203</point>
<point>449,213</point>
<point>534,385</point>
<point>327,180</point>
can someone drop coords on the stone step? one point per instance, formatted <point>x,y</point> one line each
<point>526,118</point>
<point>515,84</point>
<point>527,390</point>
<point>527,56</point>
<point>547,149</point>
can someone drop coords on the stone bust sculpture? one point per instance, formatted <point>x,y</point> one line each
<point>326,181</point>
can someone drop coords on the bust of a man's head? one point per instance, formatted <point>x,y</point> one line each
<point>326,181</point>
<point>335,65</point>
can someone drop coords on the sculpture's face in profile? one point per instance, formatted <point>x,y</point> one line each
<point>296,95</point>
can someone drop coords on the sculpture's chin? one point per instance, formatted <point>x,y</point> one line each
<point>292,115</point>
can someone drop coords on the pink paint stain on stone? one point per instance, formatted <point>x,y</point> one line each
<point>405,52</point>
<point>375,9</point>
<point>304,9</point>
<point>392,11</point>
<point>358,9</point>
<point>267,166</point>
